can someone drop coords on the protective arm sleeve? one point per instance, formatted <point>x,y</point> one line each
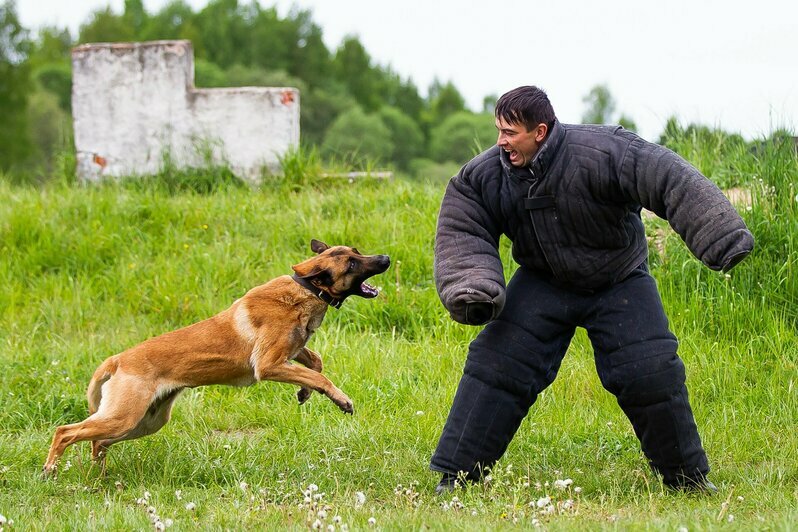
<point>469,275</point>
<point>693,205</point>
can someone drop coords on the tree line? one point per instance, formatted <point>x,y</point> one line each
<point>353,110</point>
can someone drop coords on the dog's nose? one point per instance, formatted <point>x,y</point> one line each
<point>384,261</point>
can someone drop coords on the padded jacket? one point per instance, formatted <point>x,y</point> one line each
<point>574,214</point>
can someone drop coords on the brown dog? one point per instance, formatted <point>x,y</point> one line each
<point>131,394</point>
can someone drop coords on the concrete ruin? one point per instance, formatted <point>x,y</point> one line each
<point>135,106</point>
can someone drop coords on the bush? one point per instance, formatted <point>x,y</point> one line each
<point>358,138</point>
<point>462,136</point>
<point>208,74</point>
<point>408,140</point>
<point>57,79</point>
<point>50,127</point>
<point>428,170</point>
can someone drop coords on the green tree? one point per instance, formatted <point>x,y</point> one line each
<point>223,32</point>
<point>52,45</point>
<point>601,109</point>
<point>209,74</point>
<point>627,123</point>
<point>461,136</point>
<point>135,16</point>
<point>406,136</point>
<point>444,101</point>
<point>319,109</point>
<point>396,92</point>
<point>352,67</point>
<point>15,85</point>
<point>106,26</point>
<point>600,106</point>
<point>309,58</point>
<point>170,23</point>
<point>50,63</point>
<point>243,76</point>
<point>56,78</point>
<point>489,103</point>
<point>271,50</point>
<point>358,138</point>
<point>50,127</point>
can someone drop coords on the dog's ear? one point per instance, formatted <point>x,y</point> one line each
<point>317,276</point>
<point>317,246</point>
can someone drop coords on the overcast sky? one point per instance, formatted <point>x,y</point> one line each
<point>731,63</point>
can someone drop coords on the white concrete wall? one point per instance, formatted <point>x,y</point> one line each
<point>134,103</point>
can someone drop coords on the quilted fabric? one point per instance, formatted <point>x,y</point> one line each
<point>574,213</point>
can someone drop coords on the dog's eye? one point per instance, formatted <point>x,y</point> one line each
<point>352,264</point>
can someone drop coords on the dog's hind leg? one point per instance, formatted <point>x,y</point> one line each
<point>158,415</point>
<point>312,360</point>
<point>124,403</point>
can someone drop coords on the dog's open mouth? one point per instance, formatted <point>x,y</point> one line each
<point>366,290</point>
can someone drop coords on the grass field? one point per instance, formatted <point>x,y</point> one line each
<point>87,271</point>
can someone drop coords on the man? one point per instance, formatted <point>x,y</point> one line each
<point>569,198</point>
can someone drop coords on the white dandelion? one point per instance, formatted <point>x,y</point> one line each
<point>360,499</point>
<point>563,484</point>
<point>542,502</point>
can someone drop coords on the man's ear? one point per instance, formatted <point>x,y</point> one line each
<point>317,246</point>
<point>540,132</point>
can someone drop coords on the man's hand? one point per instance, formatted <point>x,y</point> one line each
<point>478,312</point>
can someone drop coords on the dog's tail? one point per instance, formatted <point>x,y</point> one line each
<point>102,374</point>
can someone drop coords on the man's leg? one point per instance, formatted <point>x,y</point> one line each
<point>512,360</point>
<point>636,360</point>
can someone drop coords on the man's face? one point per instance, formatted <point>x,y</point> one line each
<point>521,145</point>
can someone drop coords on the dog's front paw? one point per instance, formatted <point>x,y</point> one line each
<point>303,395</point>
<point>347,407</point>
<point>344,403</point>
<point>49,471</point>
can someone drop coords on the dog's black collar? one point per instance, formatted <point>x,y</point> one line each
<point>321,294</point>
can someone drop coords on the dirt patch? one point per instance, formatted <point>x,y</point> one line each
<point>740,197</point>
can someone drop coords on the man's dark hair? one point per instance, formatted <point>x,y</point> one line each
<point>527,105</point>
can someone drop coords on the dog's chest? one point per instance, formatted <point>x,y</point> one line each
<point>314,323</point>
<point>304,332</point>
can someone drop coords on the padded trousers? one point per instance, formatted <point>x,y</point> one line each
<point>517,356</point>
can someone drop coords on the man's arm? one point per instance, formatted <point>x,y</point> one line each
<point>695,207</point>
<point>469,275</point>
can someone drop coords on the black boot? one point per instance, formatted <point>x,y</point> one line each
<point>451,482</point>
<point>448,484</point>
<point>700,485</point>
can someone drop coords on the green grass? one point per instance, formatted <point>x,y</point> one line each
<point>87,271</point>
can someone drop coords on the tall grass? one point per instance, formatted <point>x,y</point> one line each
<point>87,271</point>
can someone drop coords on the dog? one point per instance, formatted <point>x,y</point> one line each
<point>131,394</point>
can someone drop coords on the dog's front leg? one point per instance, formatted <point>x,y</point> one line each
<point>312,360</point>
<point>306,378</point>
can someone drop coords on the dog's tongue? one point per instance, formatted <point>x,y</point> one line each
<point>368,291</point>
